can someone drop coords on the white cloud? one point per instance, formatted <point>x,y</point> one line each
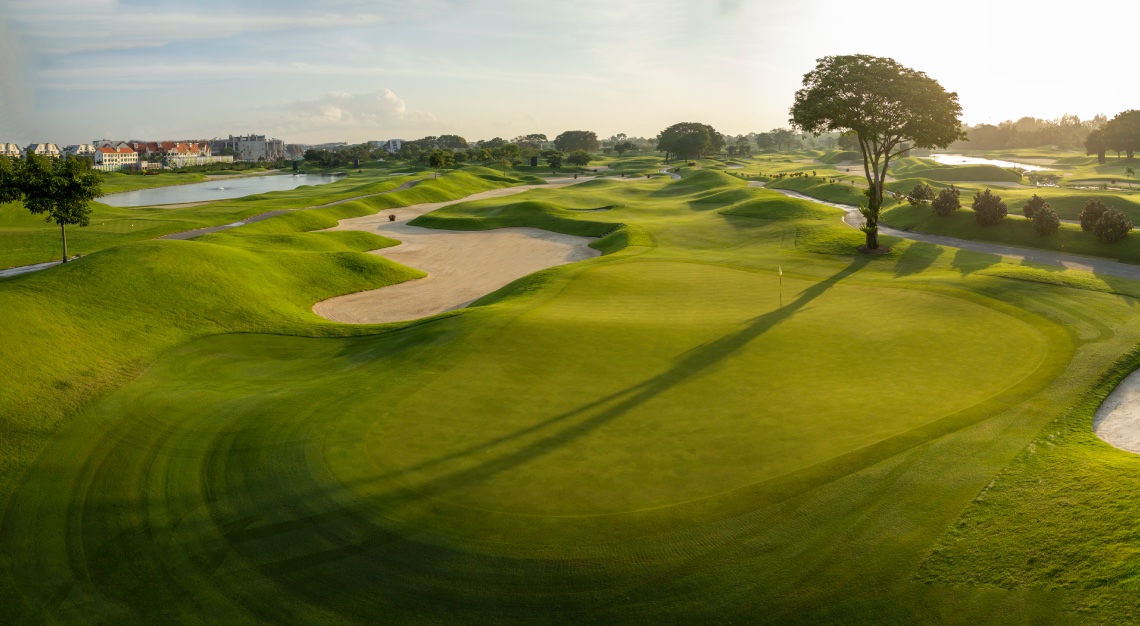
<point>88,25</point>
<point>358,115</point>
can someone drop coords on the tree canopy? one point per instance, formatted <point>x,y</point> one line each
<point>579,157</point>
<point>572,140</point>
<point>890,108</point>
<point>689,140</point>
<point>1122,133</point>
<point>59,189</point>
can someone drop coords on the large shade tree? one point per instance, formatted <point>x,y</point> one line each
<point>1122,133</point>
<point>689,140</point>
<point>889,108</point>
<point>572,140</point>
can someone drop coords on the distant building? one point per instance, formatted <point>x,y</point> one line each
<point>250,147</point>
<point>392,146</point>
<point>45,149</point>
<point>295,151</point>
<point>80,151</point>
<point>113,159</point>
<point>178,153</point>
<point>10,150</point>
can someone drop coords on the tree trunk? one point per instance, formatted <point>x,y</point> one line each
<point>1101,158</point>
<point>873,239</point>
<point>874,205</point>
<point>63,231</point>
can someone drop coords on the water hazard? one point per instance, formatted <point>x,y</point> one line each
<point>210,190</point>
<point>960,159</point>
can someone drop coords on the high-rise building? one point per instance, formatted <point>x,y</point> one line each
<point>250,147</point>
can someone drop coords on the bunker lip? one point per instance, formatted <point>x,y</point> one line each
<point>462,266</point>
<point>1117,419</point>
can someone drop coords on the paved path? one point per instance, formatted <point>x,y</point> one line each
<point>462,266</point>
<point>1045,257</point>
<point>25,269</point>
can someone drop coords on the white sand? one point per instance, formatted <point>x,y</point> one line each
<point>1117,421</point>
<point>462,266</point>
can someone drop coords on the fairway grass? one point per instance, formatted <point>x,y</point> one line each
<point>728,417</point>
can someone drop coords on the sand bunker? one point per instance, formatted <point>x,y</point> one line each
<point>462,266</point>
<point>1117,421</point>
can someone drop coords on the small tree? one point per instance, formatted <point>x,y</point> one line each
<point>1112,226</point>
<point>60,190</point>
<point>989,210</point>
<point>1094,208</point>
<point>1045,221</point>
<point>579,157</point>
<point>1035,204</point>
<point>553,159</point>
<point>947,201</point>
<point>920,195</point>
<point>622,147</point>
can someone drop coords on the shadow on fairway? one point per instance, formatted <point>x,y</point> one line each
<point>918,256</point>
<point>968,261</point>
<point>688,365</point>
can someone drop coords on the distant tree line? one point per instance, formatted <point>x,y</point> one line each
<point>1120,134</point>
<point>1066,132</point>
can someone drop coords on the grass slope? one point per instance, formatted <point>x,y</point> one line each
<point>1013,230</point>
<point>670,433</point>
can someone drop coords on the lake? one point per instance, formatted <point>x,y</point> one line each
<point>210,190</point>
<point>959,159</point>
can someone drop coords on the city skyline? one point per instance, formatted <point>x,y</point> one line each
<point>357,71</point>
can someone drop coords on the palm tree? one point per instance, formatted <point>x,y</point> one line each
<point>1129,172</point>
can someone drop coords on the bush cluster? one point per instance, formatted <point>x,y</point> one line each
<point>1035,204</point>
<point>1045,220</point>
<point>989,210</point>
<point>947,201</point>
<point>1112,226</point>
<point>1094,208</point>
<point>921,194</point>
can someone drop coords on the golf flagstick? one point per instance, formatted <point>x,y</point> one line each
<point>781,269</point>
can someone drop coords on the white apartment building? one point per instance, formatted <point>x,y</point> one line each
<point>10,150</point>
<point>80,151</point>
<point>392,146</point>
<point>111,159</point>
<point>45,149</point>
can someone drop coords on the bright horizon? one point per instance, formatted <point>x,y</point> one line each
<point>355,71</point>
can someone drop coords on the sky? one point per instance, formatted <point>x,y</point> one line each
<point>73,71</point>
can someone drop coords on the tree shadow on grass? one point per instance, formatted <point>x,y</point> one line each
<point>968,261</point>
<point>690,364</point>
<point>918,256</point>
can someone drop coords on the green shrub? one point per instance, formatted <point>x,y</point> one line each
<point>1089,216</point>
<point>989,210</point>
<point>1045,220</point>
<point>921,194</point>
<point>1035,204</point>
<point>947,201</point>
<point>1112,226</point>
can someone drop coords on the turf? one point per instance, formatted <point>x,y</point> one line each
<point>729,417</point>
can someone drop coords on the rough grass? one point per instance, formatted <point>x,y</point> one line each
<point>670,434</point>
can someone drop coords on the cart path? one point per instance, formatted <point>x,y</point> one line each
<point>1045,257</point>
<point>462,266</point>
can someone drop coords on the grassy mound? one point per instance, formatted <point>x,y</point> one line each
<point>675,433</point>
<point>840,156</point>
